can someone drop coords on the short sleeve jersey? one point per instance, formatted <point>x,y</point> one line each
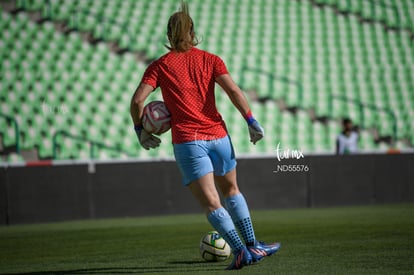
<point>187,81</point>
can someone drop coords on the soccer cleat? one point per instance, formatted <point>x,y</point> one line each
<point>241,258</point>
<point>260,250</point>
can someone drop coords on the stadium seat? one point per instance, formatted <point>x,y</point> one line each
<point>14,158</point>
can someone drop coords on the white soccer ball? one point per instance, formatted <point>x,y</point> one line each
<point>156,118</point>
<point>213,248</point>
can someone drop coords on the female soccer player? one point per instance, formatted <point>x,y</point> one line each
<point>202,146</point>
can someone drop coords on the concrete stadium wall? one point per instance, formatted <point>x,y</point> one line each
<point>82,191</point>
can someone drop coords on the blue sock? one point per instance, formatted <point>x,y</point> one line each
<point>222,222</point>
<point>239,211</point>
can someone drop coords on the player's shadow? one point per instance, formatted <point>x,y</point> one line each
<point>102,270</point>
<point>186,262</point>
<point>173,266</point>
<point>195,265</point>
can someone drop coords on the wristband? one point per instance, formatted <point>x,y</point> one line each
<point>249,117</point>
<point>138,128</point>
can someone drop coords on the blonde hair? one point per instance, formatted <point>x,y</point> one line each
<point>180,30</point>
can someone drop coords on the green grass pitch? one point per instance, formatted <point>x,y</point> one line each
<point>348,240</point>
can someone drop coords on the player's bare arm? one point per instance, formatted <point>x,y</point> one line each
<point>234,92</point>
<point>239,100</point>
<point>146,139</point>
<point>137,102</point>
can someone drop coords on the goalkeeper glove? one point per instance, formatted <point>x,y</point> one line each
<point>255,130</point>
<point>146,139</point>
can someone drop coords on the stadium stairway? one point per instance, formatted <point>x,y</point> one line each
<point>293,123</point>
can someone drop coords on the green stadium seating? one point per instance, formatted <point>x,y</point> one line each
<point>52,81</point>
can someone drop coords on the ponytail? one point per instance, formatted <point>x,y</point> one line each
<point>180,30</point>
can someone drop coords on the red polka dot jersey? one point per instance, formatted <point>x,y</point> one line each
<point>187,81</point>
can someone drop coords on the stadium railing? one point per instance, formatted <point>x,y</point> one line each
<point>92,144</point>
<point>332,97</point>
<point>271,79</point>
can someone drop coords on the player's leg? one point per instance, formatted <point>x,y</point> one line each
<point>226,178</point>
<point>204,190</point>
<point>237,206</point>
<point>227,184</point>
<point>224,164</point>
<point>196,168</point>
<point>239,211</point>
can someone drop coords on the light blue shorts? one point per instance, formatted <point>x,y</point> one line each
<point>197,158</point>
